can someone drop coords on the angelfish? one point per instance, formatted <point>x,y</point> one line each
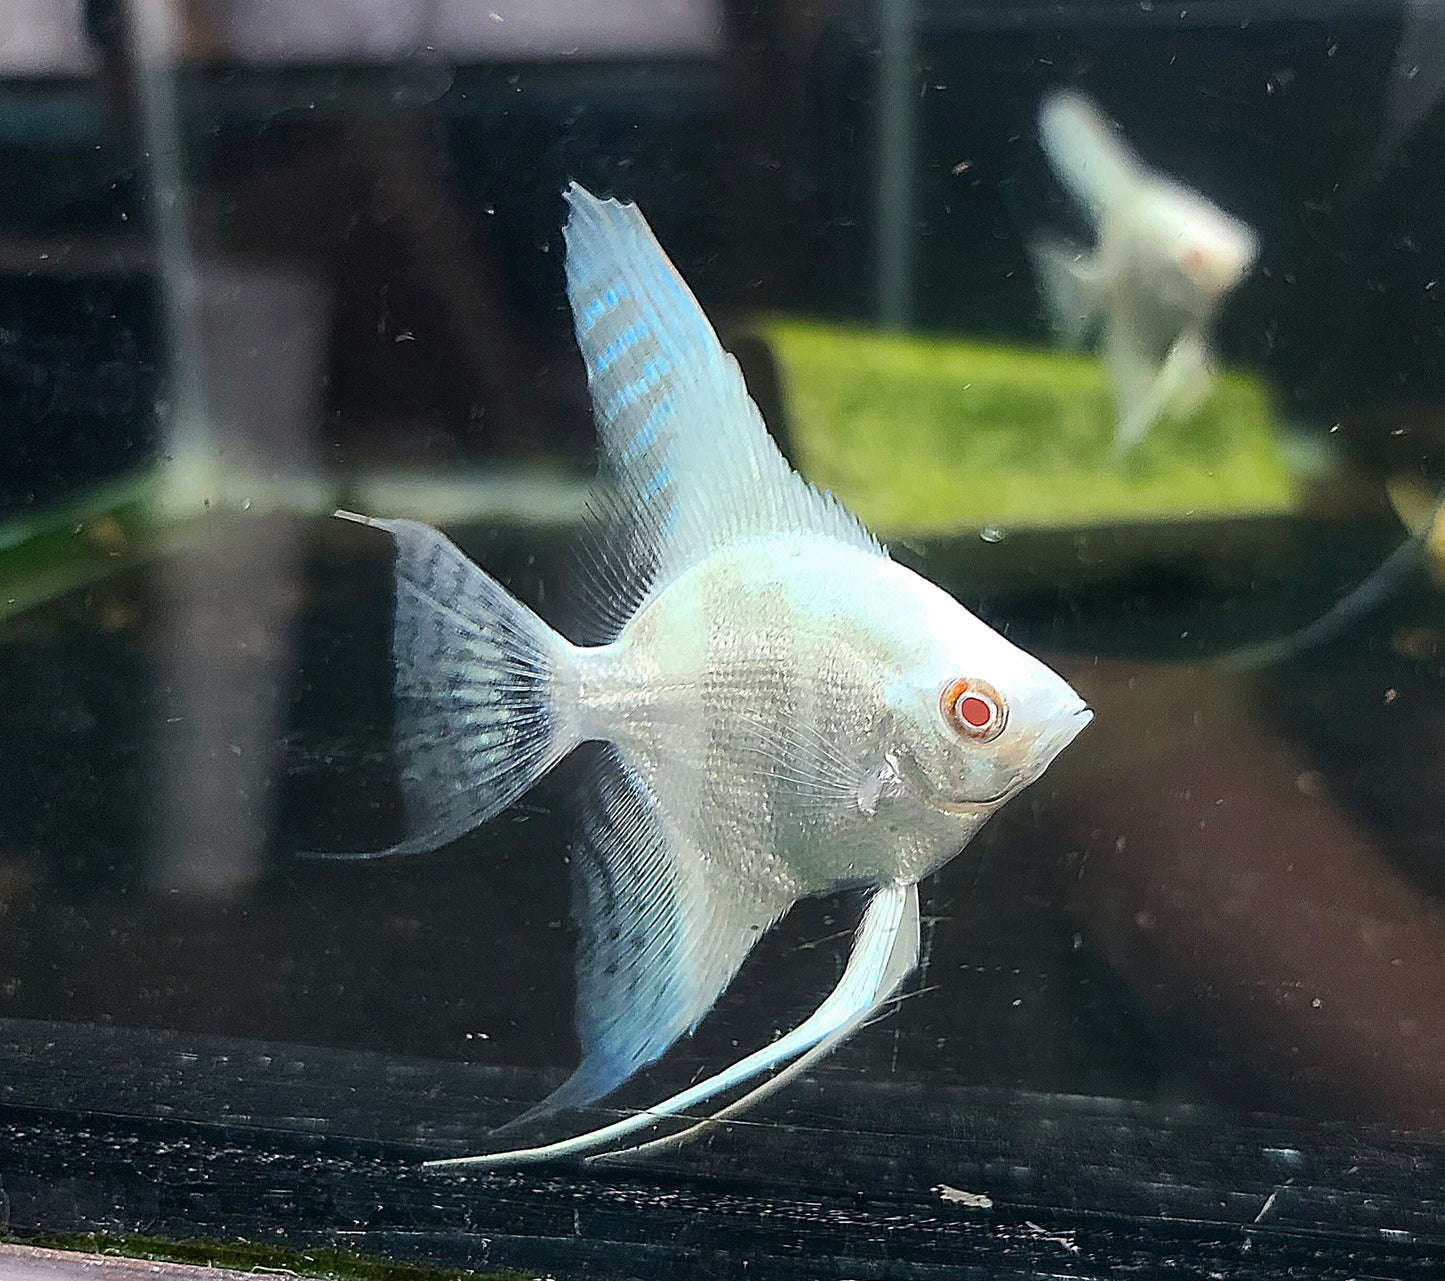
<point>787,711</point>
<point>1165,262</point>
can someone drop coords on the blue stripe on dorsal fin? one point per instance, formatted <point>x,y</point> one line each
<point>685,446</point>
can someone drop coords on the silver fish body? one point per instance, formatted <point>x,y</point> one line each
<point>787,710</point>
<point>786,690</point>
<point>1165,261</point>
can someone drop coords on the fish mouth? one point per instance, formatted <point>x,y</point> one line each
<point>1074,724</point>
<point>1078,718</point>
<point>911,774</point>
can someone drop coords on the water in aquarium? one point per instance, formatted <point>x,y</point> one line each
<point>705,638</point>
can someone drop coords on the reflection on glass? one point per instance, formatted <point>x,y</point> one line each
<point>259,263</point>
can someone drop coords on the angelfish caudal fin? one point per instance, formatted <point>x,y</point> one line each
<point>482,690</point>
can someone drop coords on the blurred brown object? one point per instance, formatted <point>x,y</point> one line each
<point>365,205</point>
<point>1246,907</point>
<point>355,205</point>
<point>198,39</point>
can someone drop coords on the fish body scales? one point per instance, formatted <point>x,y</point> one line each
<point>754,689</point>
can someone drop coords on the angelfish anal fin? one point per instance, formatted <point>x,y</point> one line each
<point>662,933</point>
<point>885,950</point>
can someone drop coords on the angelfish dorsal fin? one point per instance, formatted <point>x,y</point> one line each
<point>663,932</point>
<point>1087,153</point>
<point>681,439</point>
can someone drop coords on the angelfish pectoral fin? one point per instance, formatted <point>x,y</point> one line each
<point>1186,376</point>
<point>901,961</point>
<point>1146,393</point>
<point>885,950</point>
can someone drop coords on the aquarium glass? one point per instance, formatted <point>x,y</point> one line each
<point>1121,323</point>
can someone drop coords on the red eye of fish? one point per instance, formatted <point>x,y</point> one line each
<point>974,708</point>
<point>1193,261</point>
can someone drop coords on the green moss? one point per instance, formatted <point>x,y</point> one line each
<point>938,435</point>
<point>322,1263</point>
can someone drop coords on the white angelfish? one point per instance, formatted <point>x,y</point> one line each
<point>787,710</point>
<point>1165,261</point>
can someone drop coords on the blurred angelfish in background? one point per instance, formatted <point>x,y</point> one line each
<point>1166,260</point>
<point>787,711</point>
